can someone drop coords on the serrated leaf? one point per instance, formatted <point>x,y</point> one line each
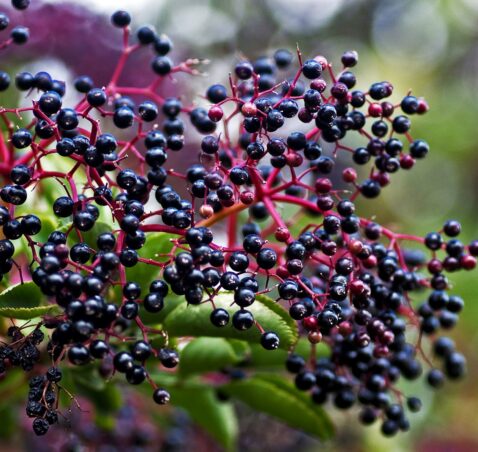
<point>207,354</point>
<point>26,295</point>
<point>181,320</point>
<point>24,301</point>
<point>28,313</point>
<point>216,417</point>
<point>278,397</point>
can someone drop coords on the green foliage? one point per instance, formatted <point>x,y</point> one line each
<point>24,301</point>
<point>181,320</point>
<point>105,395</point>
<point>7,426</point>
<point>206,354</point>
<point>157,244</point>
<point>262,359</point>
<point>216,417</point>
<point>276,396</point>
<point>89,237</point>
<point>13,387</point>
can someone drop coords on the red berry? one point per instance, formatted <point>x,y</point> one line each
<point>468,262</point>
<point>422,106</point>
<point>247,197</point>
<point>345,328</point>
<point>318,84</point>
<point>249,109</point>
<point>349,175</point>
<point>383,179</point>
<point>282,234</point>
<point>435,266</point>
<point>215,113</point>
<point>206,211</point>
<point>323,185</point>
<point>375,110</point>
<point>370,262</point>
<point>355,246</point>
<point>323,61</point>
<point>406,161</point>
<point>314,337</point>
<point>310,323</point>
<point>282,272</point>
<point>294,159</point>
<point>357,287</point>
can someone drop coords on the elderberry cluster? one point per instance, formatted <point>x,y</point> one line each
<point>22,351</point>
<point>271,141</point>
<point>43,400</point>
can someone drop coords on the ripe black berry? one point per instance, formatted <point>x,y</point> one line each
<point>121,19</point>
<point>20,35</point>
<point>161,396</point>
<point>270,340</point>
<point>78,354</point>
<point>123,361</point>
<point>312,69</point>
<point>219,317</point>
<point>40,426</point>
<point>242,320</point>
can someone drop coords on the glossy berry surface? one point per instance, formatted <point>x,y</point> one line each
<point>252,238</point>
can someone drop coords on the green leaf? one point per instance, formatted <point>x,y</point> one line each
<point>168,379</point>
<point>47,227</point>
<point>160,341</point>
<point>87,379</point>
<point>107,400</point>
<point>207,354</point>
<point>104,395</point>
<point>216,417</point>
<point>12,386</point>
<point>8,424</point>
<point>156,244</point>
<point>264,359</point>
<point>24,301</point>
<point>241,348</point>
<point>26,295</point>
<point>276,396</point>
<point>28,313</point>
<point>89,237</point>
<point>181,320</point>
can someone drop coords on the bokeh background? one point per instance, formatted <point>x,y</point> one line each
<point>430,45</point>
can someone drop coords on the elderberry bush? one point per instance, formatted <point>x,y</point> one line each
<point>249,254</point>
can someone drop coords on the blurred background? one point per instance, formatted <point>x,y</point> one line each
<point>430,45</point>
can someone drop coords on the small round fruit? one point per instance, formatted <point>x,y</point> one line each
<point>270,340</point>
